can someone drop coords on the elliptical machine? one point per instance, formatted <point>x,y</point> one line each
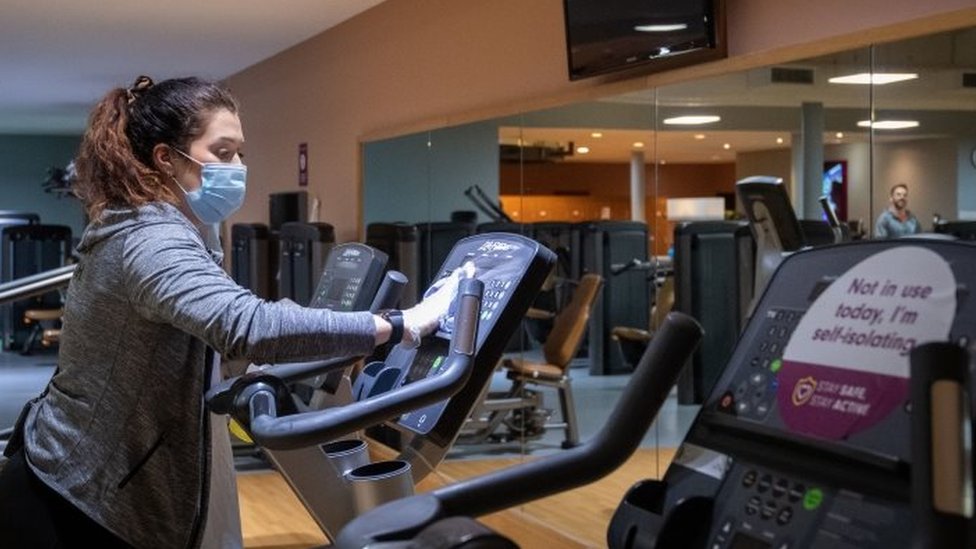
<point>425,393</point>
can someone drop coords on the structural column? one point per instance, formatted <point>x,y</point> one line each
<point>638,190</point>
<point>811,155</point>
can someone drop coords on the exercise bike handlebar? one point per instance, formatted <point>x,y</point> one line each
<point>646,392</point>
<point>305,429</point>
<point>637,408</point>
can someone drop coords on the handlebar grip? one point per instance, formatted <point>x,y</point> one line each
<point>646,392</point>
<point>389,292</point>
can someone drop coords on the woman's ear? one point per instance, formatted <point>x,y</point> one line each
<point>162,156</point>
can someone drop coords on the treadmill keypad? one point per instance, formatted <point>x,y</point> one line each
<point>753,391</point>
<point>765,505</point>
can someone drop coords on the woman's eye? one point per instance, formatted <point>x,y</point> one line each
<point>226,156</point>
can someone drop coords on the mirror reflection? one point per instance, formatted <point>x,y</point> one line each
<point>620,187</point>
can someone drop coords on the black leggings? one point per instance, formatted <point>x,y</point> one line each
<point>34,516</point>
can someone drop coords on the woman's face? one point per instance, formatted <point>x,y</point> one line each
<point>221,141</point>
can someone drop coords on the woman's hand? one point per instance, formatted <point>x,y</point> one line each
<point>423,318</point>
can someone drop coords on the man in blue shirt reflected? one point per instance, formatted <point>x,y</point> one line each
<point>897,220</point>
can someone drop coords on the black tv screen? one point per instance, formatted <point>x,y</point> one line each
<point>604,36</point>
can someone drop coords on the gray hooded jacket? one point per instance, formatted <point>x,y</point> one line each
<point>122,431</point>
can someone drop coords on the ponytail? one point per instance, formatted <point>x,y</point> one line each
<point>114,164</point>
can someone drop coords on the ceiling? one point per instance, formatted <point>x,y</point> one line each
<point>760,108</point>
<point>58,57</point>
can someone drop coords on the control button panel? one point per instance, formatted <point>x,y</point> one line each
<point>752,391</point>
<point>764,508</point>
<point>759,507</point>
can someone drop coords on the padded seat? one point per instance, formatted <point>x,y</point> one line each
<point>46,336</point>
<point>568,329</point>
<point>37,315</point>
<point>536,370</point>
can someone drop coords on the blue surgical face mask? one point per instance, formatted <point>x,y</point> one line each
<point>221,192</point>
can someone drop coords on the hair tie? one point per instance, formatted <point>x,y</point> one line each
<point>137,88</point>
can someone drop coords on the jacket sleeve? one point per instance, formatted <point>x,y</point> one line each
<point>170,278</point>
<point>881,227</point>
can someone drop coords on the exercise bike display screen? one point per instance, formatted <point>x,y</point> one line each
<point>830,362</point>
<point>512,269</point>
<point>428,361</point>
<point>499,269</point>
<point>350,278</point>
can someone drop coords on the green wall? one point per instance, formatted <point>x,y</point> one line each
<point>24,164</point>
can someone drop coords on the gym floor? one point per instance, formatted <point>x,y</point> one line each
<point>578,517</point>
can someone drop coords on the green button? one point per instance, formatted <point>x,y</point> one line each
<point>812,499</point>
<point>775,365</point>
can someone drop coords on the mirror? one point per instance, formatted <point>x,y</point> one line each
<point>820,124</point>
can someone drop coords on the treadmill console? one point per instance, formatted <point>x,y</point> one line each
<point>805,439</point>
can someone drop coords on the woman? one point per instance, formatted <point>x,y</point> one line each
<point>119,449</point>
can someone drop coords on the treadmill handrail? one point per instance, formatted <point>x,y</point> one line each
<point>308,428</point>
<point>484,203</point>
<point>36,284</point>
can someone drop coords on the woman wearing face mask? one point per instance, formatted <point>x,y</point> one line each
<point>119,449</point>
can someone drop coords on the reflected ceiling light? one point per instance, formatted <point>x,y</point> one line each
<point>597,135</point>
<point>779,140</point>
<point>582,150</point>
<point>664,27</point>
<point>699,136</point>
<point>840,135</point>
<point>691,120</point>
<point>663,162</point>
<point>638,144</point>
<point>877,78</point>
<point>726,146</point>
<point>888,124</point>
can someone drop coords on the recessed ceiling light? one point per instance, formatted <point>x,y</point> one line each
<point>877,78</point>
<point>638,144</point>
<point>888,124</point>
<point>779,140</point>
<point>699,136</point>
<point>840,135</point>
<point>726,146</point>
<point>582,150</point>
<point>661,28</point>
<point>597,135</point>
<point>691,120</point>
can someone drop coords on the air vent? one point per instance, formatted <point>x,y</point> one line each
<point>785,75</point>
<point>969,79</point>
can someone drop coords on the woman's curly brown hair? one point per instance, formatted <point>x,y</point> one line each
<point>114,166</point>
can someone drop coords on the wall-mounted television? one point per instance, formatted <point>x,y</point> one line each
<point>606,36</point>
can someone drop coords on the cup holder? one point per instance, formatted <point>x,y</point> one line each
<point>347,454</point>
<point>377,483</point>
